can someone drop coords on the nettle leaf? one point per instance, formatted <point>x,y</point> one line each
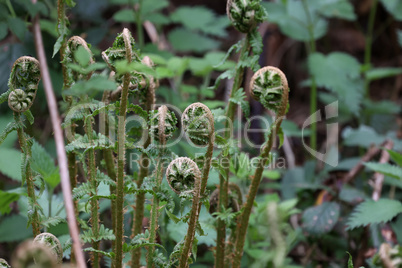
<point>10,164</point>
<point>124,15</point>
<point>185,40</point>
<point>340,73</point>
<point>43,163</point>
<point>3,30</point>
<point>96,83</point>
<point>386,169</point>
<point>396,157</point>
<point>202,19</point>
<point>342,9</point>
<point>372,212</point>
<point>321,219</point>
<point>384,72</point>
<point>152,6</point>
<point>394,7</point>
<point>293,21</point>
<point>6,198</point>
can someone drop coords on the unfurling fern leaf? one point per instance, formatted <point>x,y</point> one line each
<point>50,241</point>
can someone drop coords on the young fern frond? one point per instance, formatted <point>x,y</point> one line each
<point>29,254</point>
<point>266,82</point>
<point>245,15</point>
<point>50,241</point>
<point>4,263</point>
<point>23,83</point>
<point>162,131</point>
<point>184,176</point>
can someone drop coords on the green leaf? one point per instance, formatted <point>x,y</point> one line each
<point>82,56</point>
<point>3,30</point>
<point>202,19</point>
<point>184,40</point>
<point>364,136</point>
<point>14,228</point>
<point>43,163</point>
<point>380,73</point>
<point>70,3</point>
<point>17,27</point>
<point>394,7</point>
<point>52,221</point>
<point>396,157</point>
<point>149,6</point>
<point>340,73</point>
<point>103,234</point>
<point>10,164</point>
<point>386,169</point>
<point>96,83</point>
<point>240,99</point>
<point>321,219</point>
<point>372,212</point>
<point>6,198</point>
<point>350,260</point>
<point>342,9</point>
<point>399,34</point>
<point>124,15</point>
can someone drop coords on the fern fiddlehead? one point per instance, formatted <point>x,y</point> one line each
<point>33,255</point>
<point>162,125</point>
<point>245,15</point>
<point>183,176</point>
<point>4,263</point>
<point>50,241</point>
<point>198,123</point>
<point>269,85</point>
<point>23,83</point>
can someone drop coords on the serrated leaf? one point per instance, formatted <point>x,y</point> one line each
<point>321,219</point>
<point>240,99</point>
<point>373,212</point>
<point>342,9</point>
<point>103,234</point>
<point>14,228</point>
<point>52,221</point>
<point>396,157</point>
<point>340,73</point>
<point>384,168</point>
<point>43,163</point>
<point>10,164</point>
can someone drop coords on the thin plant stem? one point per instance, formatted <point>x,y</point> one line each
<point>94,202</point>
<point>369,40</point>
<point>224,182</point>
<point>121,139</point>
<point>10,8</point>
<point>26,149</point>
<point>138,19</point>
<point>313,88</point>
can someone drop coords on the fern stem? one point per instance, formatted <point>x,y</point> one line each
<point>369,41</point>
<point>154,214</point>
<point>26,171</point>
<point>94,202</point>
<point>244,217</point>
<point>224,183</point>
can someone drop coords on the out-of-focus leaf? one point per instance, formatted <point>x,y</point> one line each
<point>14,228</point>
<point>10,164</point>
<point>184,40</point>
<point>394,7</point>
<point>124,15</point>
<point>43,163</point>
<point>340,73</point>
<point>6,199</point>
<point>386,169</point>
<point>3,30</point>
<point>321,219</point>
<point>17,27</point>
<point>384,72</point>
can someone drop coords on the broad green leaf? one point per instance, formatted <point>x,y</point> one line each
<point>96,83</point>
<point>123,67</point>
<point>293,21</point>
<point>18,27</point>
<point>10,164</point>
<point>340,73</point>
<point>70,3</point>
<point>124,15</point>
<point>381,107</point>
<point>396,157</point>
<point>82,56</point>
<point>43,163</point>
<point>342,9</point>
<point>184,40</point>
<point>6,198</point>
<point>14,228</point>
<point>321,219</point>
<point>372,212</point>
<point>363,136</point>
<point>202,19</point>
<point>149,6</point>
<point>386,169</point>
<point>399,33</point>
<point>158,18</point>
<point>394,7</point>
<point>3,30</point>
<point>384,72</point>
